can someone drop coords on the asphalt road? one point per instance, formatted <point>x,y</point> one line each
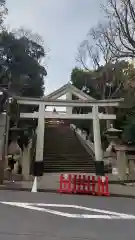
<point>36,221</point>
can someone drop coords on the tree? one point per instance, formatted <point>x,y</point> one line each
<point>120,36</point>
<point>3,11</point>
<point>94,50</point>
<point>103,57</point>
<point>22,68</point>
<point>120,85</point>
<point>119,31</point>
<point>88,55</point>
<point>108,77</point>
<point>20,65</point>
<point>100,85</point>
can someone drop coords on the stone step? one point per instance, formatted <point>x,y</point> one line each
<point>67,147</point>
<point>64,152</point>
<point>62,169</point>
<point>68,161</point>
<point>67,164</point>
<point>66,156</point>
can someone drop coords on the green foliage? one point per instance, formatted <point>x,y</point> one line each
<point>108,81</point>
<point>114,80</point>
<point>129,132</point>
<point>20,65</point>
<point>84,80</point>
<point>21,69</point>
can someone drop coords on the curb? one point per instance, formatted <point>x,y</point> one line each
<point>120,182</point>
<point>122,195</point>
<point>55,191</point>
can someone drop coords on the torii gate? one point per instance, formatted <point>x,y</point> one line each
<point>84,101</point>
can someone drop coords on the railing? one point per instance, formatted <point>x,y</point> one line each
<point>109,159</point>
<point>83,137</point>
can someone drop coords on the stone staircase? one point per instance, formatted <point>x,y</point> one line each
<point>63,151</point>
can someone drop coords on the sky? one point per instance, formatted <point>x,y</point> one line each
<point>63,25</point>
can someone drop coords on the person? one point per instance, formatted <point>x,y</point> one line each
<point>10,168</point>
<point>14,156</point>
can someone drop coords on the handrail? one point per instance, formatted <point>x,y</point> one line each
<point>83,137</point>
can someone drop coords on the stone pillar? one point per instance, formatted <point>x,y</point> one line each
<point>40,141</point>
<point>2,131</point>
<point>2,148</point>
<point>69,97</point>
<point>97,135</point>
<point>121,162</point>
<point>26,162</point>
<point>131,162</point>
<point>97,142</point>
<point>132,169</point>
<point>6,140</point>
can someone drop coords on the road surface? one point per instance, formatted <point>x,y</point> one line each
<point>38,216</point>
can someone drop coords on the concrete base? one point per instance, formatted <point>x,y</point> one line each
<point>38,169</point>
<point>100,168</point>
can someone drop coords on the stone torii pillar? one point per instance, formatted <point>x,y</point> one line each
<point>97,142</point>
<point>69,98</point>
<point>38,165</point>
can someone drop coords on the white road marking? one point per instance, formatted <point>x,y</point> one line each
<point>104,214</point>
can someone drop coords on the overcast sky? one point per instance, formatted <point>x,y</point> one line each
<point>63,24</point>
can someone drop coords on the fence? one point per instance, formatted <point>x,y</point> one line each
<point>83,184</point>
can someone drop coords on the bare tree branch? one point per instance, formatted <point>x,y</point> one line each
<point>112,40</point>
<point>87,55</point>
<point>121,15</point>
